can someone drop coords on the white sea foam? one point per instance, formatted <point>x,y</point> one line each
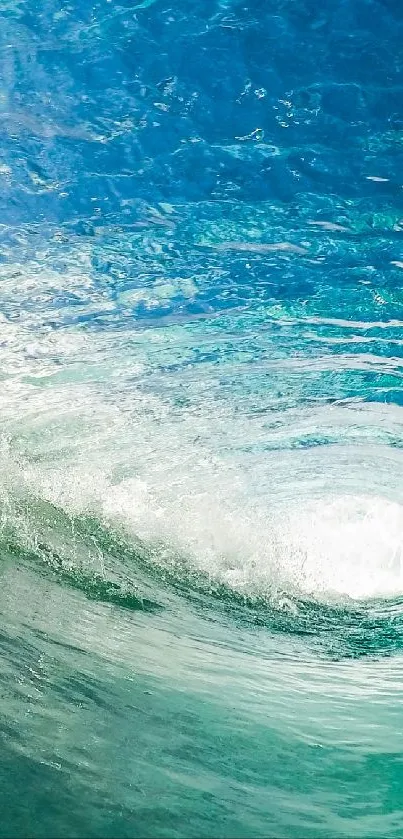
<point>85,426</point>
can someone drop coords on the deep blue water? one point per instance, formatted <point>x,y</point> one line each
<point>201,441</point>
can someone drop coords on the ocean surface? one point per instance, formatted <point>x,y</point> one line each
<point>201,419</point>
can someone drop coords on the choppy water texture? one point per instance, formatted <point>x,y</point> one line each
<point>201,448</point>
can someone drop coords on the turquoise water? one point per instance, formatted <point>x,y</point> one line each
<point>201,449</point>
<point>201,562</point>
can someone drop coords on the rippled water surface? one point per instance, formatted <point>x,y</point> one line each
<point>201,438</point>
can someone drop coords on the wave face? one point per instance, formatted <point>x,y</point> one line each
<point>201,439</point>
